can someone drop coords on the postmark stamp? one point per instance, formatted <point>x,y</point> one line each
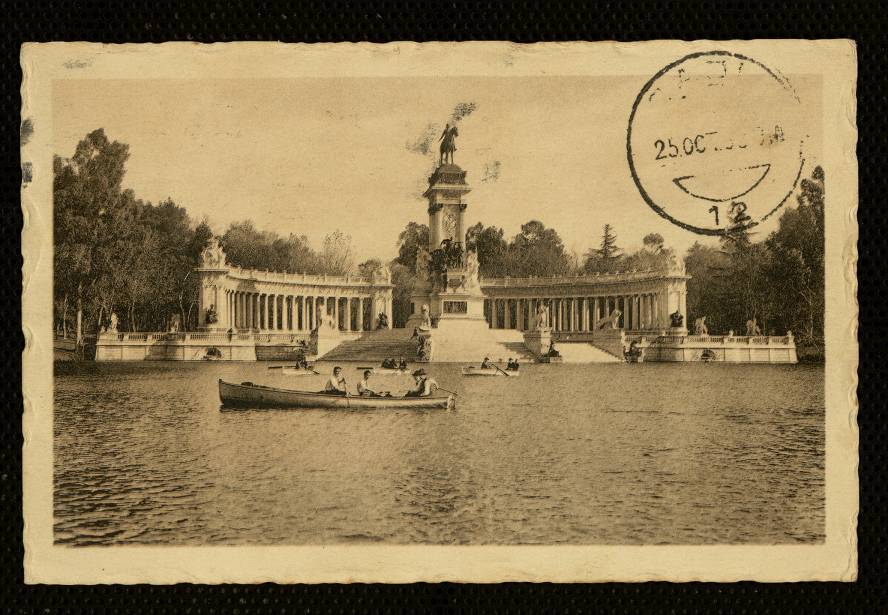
<point>715,142</point>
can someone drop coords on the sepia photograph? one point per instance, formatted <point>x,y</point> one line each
<point>489,298</point>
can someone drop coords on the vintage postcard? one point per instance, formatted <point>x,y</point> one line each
<point>471,312</point>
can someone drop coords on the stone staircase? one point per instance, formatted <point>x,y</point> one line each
<point>584,352</point>
<point>497,344</point>
<point>374,346</point>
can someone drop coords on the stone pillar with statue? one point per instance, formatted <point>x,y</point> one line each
<point>212,271</point>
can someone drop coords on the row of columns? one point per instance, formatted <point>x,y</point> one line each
<point>639,311</point>
<point>277,312</point>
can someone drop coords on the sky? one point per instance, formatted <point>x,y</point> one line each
<point>314,155</point>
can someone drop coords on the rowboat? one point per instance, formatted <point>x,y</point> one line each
<point>384,371</point>
<point>471,370</point>
<point>249,395</point>
<point>292,370</point>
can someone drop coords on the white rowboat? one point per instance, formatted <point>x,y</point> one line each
<point>488,371</point>
<point>249,395</point>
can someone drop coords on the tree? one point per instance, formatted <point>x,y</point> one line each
<point>652,242</point>
<point>336,256</point>
<point>796,268</point>
<point>413,237</point>
<point>86,193</point>
<point>607,257</point>
<point>491,248</point>
<point>114,252</point>
<point>366,268</point>
<point>537,251</point>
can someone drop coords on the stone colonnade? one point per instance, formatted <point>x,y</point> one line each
<point>645,300</point>
<point>281,302</point>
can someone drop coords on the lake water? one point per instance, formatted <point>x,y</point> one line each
<point>591,454</point>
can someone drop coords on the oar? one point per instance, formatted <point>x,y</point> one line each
<point>454,393</point>
<point>498,367</point>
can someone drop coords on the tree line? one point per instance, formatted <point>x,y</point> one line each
<point>778,280</point>
<point>115,253</point>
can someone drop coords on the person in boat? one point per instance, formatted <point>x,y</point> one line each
<point>485,364</point>
<point>402,363</point>
<point>512,365</point>
<point>425,386</point>
<point>336,383</point>
<point>389,363</point>
<point>364,389</point>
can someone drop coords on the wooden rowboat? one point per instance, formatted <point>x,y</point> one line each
<point>471,370</point>
<point>385,371</point>
<point>249,395</point>
<point>292,370</point>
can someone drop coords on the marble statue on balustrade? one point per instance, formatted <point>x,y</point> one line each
<point>212,255</point>
<point>425,323</point>
<point>381,274</point>
<point>752,327</point>
<point>700,327</point>
<point>112,325</point>
<point>175,324</point>
<point>541,322</point>
<point>611,321</point>
<point>211,316</point>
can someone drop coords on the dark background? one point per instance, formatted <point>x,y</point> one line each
<point>64,20</point>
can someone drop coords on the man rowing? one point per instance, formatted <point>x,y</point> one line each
<point>425,386</point>
<point>336,384</point>
<point>485,364</point>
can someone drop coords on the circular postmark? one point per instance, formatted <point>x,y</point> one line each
<point>715,142</point>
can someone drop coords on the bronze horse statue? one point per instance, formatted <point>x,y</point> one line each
<point>448,144</point>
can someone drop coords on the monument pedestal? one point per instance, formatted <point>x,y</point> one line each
<point>537,342</point>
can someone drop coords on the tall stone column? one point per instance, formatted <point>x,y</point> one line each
<point>274,319</point>
<point>648,312</point>
<point>374,310</point>
<point>360,314</point>
<point>507,314</point>
<point>388,311</point>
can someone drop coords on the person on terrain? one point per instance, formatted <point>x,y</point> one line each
<point>552,352</point>
<point>336,384</point>
<point>425,386</point>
